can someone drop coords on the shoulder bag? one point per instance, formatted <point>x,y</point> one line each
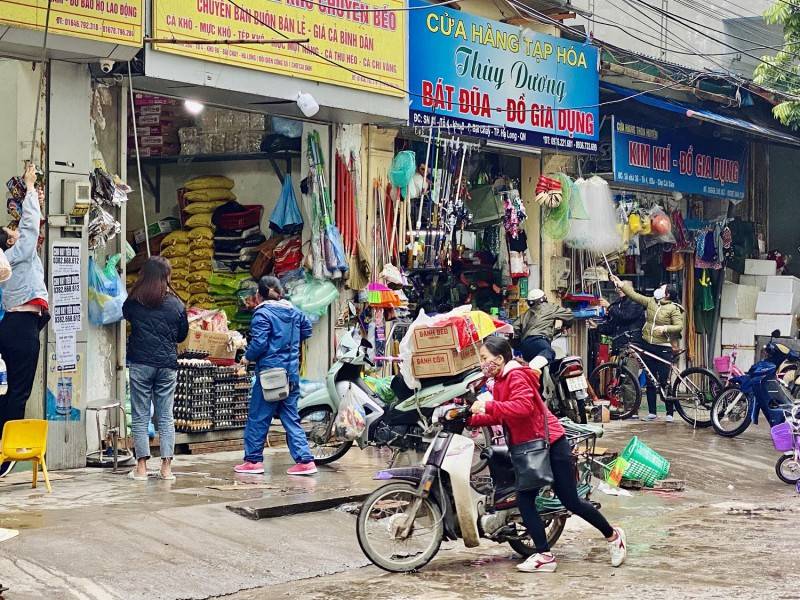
<point>275,381</point>
<point>531,460</point>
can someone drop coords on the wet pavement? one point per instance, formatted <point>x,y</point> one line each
<point>100,536</point>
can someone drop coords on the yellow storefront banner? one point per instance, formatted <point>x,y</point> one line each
<point>112,21</point>
<point>368,44</point>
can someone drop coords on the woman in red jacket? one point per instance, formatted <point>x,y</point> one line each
<point>518,406</point>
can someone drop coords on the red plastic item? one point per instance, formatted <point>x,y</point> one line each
<point>244,219</point>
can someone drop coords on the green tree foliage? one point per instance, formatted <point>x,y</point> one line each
<point>782,71</point>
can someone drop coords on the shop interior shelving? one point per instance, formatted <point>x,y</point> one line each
<point>155,164</point>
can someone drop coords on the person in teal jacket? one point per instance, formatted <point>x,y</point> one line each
<point>277,331</point>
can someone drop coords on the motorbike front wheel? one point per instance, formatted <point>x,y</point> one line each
<point>317,422</point>
<point>553,527</point>
<point>730,413</point>
<point>788,469</point>
<point>380,525</point>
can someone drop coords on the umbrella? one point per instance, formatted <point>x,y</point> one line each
<point>286,217</point>
<point>474,326</point>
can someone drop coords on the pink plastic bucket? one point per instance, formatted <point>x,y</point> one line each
<point>782,437</point>
<point>722,364</point>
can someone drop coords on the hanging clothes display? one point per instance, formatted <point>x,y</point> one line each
<point>593,218</point>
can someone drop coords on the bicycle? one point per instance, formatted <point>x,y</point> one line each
<point>691,390</point>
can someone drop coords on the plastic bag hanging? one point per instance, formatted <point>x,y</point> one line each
<point>350,420</point>
<point>286,218</point>
<point>106,292</point>
<point>599,232</point>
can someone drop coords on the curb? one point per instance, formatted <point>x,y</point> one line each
<point>271,508</point>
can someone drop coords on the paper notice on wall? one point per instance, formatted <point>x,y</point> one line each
<point>66,350</point>
<point>65,287</point>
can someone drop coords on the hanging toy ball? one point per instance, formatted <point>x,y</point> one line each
<point>635,223</point>
<point>660,224</point>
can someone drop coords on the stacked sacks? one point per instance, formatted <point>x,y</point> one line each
<point>201,197</point>
<point>238,236</point>
<point>224,288</point>
<point>175,248</point>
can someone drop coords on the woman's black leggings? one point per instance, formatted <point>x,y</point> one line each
<point>565,487</point>
<point>661,371</point>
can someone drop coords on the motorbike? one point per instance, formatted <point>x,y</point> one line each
<point>402,425</point>
<point>402,524</point>
<point>757,391</point>
<point>564,385</point>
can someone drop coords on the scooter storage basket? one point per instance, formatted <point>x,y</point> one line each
<point>644,463</point>
<point>782,437</point>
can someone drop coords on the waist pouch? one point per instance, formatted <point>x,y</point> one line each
<point>274,384</point>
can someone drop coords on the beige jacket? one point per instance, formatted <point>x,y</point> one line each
<point>663,320</point>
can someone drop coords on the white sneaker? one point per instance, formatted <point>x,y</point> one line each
<point>539,563</point>
<point>651,417</point>
<point>618,548</point>
<point>7,467</point>
<point>669,418</point>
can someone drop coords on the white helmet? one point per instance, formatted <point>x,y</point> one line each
<point>535,294</point>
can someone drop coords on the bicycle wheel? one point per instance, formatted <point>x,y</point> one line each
<point>693,394</point>
<point>788,469</point>
<point>617,385</point>
<point>730,413</point>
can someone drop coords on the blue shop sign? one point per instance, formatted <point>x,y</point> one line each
<point>479,77</point>
<point>671,161</point>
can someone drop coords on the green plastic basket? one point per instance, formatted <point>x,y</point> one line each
<point>644,463</point>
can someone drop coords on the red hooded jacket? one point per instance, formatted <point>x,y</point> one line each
<point>518,406</point>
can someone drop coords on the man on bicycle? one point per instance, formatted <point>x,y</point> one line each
<point>663,326</point>
<point>536,328</point>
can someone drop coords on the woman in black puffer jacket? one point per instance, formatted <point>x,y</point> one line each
<point>158,324</point>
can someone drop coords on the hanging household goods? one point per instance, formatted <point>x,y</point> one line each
<point>333,249</point>
<point>286,218</point>
<point>106,292</point>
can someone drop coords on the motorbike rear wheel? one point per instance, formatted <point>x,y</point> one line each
<point>317,422</point>
<point>382,515</point>
<point>730,413</point>
<point>554,527</point>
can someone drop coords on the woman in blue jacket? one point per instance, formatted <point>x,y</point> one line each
<point>277,331</point>
<point>158,324</point>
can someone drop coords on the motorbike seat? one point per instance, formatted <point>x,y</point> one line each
<point>403,392</point>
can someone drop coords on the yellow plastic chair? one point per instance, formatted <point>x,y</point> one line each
<point>26,440</point>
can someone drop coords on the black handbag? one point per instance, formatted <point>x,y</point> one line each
<point>531,461</point>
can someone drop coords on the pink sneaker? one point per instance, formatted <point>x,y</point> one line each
<point>303,469</point>
<point>249,468</point>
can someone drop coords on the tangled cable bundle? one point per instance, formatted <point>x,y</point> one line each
<point>598,231</point>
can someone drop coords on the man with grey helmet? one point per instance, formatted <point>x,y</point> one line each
<point>536,328</point>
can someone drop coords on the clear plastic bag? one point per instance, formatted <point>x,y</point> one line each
<point>351,420</point>
<point>106,292</point>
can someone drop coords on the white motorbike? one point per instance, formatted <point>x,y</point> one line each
<point>402,524</point>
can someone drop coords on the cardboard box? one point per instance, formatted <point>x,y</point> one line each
<point>157,228</point>
<point>738,332</point>
<point>216,344</point>
<point>760,281</point>
<point>775,304</point>
<point>738,301</point>
<point>784,284</point>
<point>443,363</point>
<point>754,266</point>
<point>786,324</point>
<point>435,338</point>
<point>745,357</point>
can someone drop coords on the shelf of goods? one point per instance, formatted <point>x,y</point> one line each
<point>209,397</point>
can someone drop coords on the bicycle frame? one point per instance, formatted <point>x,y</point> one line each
<point>634,351</point>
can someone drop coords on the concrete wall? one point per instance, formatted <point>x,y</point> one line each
<point>730,18</point>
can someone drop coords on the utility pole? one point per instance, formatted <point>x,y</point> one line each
<point>664,25</point>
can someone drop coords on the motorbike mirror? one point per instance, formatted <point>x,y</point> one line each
<point>776,333</point>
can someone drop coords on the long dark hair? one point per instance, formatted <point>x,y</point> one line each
<point>499,346</point>
<point>270,288</point>
<point>153,284</point>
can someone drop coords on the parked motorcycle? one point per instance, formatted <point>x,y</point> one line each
<point>402,524</point>
<point>564,385</point>
<point>757,391</point>
<point>402,425</point>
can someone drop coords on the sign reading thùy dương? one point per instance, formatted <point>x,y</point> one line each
<point>111,21</point>
<point>484,78</point>
<point>369,44</point>
<point>669,160</point>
